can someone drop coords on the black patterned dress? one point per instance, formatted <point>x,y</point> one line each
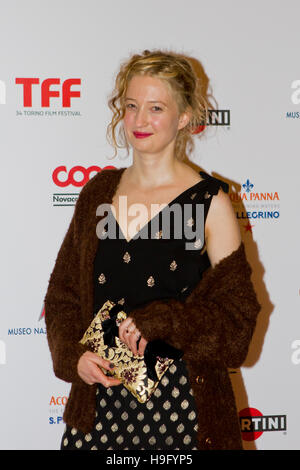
<point>152,265</point>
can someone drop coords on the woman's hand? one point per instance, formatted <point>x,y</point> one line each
<point>129,334</point>
<point>89,371</point>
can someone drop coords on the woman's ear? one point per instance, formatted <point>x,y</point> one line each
<point>184,119</point>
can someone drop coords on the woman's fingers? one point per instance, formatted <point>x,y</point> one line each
<point>142,345</point>
<point>124,329</point>
<point>89,364</point>
<point>130,335</point>
<point>89,370</point>
<point>133,339</point>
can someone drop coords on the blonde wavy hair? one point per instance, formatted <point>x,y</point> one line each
<point>178,73</point>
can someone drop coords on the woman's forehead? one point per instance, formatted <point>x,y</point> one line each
<point>149,88</point>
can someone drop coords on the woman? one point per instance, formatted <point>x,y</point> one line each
<point>157,100</point>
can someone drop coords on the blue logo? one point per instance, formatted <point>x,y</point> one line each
<point>248,186</point>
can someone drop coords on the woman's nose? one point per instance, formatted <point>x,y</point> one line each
<point>141,118</point>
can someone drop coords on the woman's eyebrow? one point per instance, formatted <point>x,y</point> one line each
<point>150,101</point>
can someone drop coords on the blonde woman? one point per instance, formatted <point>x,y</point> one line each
<point>179,291</point>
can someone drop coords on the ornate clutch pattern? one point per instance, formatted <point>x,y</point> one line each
<point>133,371</point>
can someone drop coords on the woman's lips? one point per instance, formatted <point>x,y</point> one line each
<point>141,135</point>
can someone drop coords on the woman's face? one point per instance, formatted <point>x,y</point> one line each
<point>151,119</point>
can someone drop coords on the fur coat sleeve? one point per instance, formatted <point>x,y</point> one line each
<point>215,322</point>
<point>63,310</point>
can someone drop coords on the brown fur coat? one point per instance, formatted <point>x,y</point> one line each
<point>213,326</point>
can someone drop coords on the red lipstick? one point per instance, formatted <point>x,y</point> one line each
<point>141,135</point>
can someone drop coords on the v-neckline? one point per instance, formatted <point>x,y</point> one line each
<point>135,237</point>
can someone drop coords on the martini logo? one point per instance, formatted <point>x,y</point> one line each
<point>219,117</point>
<point>253,423</point>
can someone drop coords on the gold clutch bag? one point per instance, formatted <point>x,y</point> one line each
<point>139,374</point>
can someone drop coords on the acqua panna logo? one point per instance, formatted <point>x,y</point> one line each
<point>255,205</point>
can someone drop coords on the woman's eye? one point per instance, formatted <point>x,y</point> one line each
<point>133,106</point>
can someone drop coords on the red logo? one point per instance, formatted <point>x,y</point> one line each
<point>68,177</point>
<point>253,423</point>
<point>42,314</point>
<point>198,129</point>
<point>247,425</point>
<point>46,92</point>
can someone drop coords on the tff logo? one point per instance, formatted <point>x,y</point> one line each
<point>62,177</point>
<point>47,92</point>
<point>253,423</point>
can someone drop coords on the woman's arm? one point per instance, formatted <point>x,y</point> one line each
<point>62,310</point>
<point>72,361</point>
<point>222,231</point>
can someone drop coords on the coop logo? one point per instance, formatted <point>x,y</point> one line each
<point>62,92</point>
<point>62,177</point>
<point>76,176</point>
<point>253,423</point>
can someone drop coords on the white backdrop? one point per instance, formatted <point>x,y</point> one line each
<point>249,51</point>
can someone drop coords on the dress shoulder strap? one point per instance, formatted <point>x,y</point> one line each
<point>214,183</point>
<point>209,189</point>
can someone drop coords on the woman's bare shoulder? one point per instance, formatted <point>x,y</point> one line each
<point>222,230</point>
